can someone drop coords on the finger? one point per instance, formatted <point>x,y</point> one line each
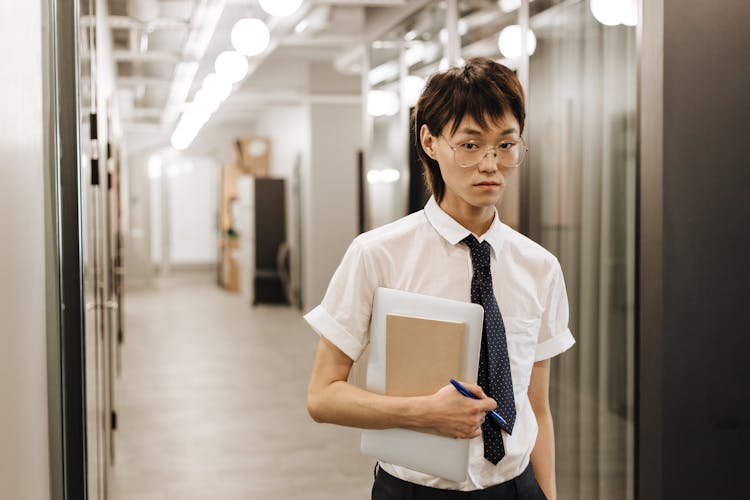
<point>475,389</point>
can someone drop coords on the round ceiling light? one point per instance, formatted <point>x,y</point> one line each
<point>280,7</point>
<point>509,41</point>
<point>231,66</point>
<point>205,103</point>
<point>250,36</point>
<point>509,5</point>
<point>606,12</point>
<point>614,12</point>
<point>217,86</point>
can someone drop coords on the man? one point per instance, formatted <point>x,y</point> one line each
<point>469,122</point>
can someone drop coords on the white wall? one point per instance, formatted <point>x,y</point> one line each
<point>193,209</point>
<point>183,192</point>
<point>24,449</point>
<point>330,205</point>
<point>329,183</point>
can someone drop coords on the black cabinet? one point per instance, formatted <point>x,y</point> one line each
<point>271,270</point>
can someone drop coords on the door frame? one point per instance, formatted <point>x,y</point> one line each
<point>66,343</point>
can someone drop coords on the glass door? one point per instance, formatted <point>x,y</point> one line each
<point>100,222</point>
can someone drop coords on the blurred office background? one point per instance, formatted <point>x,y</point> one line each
<point>224,155</point>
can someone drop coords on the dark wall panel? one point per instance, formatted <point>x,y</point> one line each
<point>706,245</point>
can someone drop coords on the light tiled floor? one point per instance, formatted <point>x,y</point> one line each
<point>211,403</point>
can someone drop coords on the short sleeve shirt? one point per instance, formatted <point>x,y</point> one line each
<point>423,253</point>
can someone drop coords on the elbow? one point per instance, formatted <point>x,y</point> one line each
<point>314,409</point>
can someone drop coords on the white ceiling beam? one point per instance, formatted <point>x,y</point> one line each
<point>320,41</point>
<point>137,81</point>
<point>125,22</point>
<point>350,3</point>
<point>364,3</point>
<point>255,99</point>
<point>153,55</point>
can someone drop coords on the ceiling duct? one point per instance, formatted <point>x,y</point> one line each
<point>143,10</point>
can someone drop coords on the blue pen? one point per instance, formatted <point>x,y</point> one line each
<point>463,390</point>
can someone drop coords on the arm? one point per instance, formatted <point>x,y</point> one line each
<point>331,399</point>
<point>543,454</point>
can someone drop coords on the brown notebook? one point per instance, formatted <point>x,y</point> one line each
<point>422,355</point>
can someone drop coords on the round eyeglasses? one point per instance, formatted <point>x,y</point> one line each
<point>508,153</point>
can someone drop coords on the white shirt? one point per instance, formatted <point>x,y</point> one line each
<point>422,253</point>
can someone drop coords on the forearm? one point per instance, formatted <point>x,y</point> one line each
<point>543,455</point>
<point>342,403</point>
<point>331,399</point>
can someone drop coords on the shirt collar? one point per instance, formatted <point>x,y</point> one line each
<point>453,232</point>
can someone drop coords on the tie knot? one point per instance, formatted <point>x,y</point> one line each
<point>480,252</point>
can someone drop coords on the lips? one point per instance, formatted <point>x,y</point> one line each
<point>487,183</point>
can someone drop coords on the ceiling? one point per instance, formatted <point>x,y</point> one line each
<point>164,48</point>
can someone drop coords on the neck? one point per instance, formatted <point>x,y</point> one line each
<point>476,219</point>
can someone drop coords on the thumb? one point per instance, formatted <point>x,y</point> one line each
<point>488,404</point>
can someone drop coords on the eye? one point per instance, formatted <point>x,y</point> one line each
<point>507,145</point>
<point>469,146</point>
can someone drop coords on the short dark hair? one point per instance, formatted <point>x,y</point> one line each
<point>481,89</point>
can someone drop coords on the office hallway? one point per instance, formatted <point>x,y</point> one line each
<point>211,403</point>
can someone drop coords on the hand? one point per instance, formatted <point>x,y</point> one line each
<point>455,415</point>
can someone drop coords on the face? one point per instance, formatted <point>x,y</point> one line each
<point>478,187</point>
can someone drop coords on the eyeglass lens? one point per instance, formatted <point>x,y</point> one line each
<point>506,154</point>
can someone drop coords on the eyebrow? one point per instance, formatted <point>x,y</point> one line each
<point>473,131</point>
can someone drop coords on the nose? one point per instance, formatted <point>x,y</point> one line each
<point>489,161</point>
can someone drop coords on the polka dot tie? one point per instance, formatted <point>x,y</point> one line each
<point>494,368</point>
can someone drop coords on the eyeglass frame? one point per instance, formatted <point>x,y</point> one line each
<point>497,156</point>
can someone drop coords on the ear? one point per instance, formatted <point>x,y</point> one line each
<point>428,141</point>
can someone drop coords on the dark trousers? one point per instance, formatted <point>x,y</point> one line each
<point>523,487</point>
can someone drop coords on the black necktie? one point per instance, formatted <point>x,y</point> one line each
<point>494,368</point>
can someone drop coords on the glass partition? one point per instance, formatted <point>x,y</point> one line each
<point>386,160</point>
<point>580,205</point>
<point>575,195</point>
<point>400,62</point>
